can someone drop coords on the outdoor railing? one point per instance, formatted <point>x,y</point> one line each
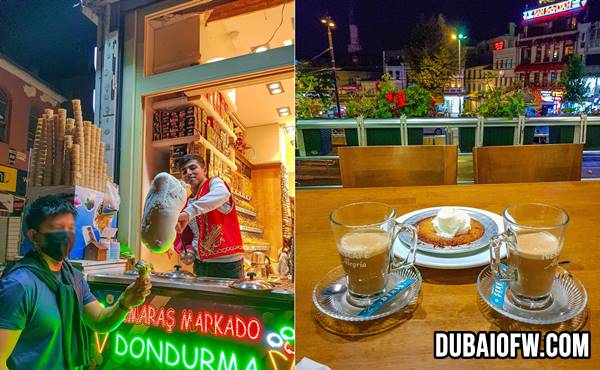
<point>584,129</point>
<point>466,132</point>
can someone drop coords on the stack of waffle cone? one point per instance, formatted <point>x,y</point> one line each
<point>67,151</point>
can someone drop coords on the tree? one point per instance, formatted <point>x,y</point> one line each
<point>573,80</point>
<point>314,90</point>
<point>500,103</point>
<point>431,55</point>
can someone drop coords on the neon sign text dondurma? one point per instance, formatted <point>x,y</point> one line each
<point>563,6</point>
<point>166,353</point>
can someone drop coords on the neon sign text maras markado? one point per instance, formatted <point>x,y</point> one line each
<point>201,353</point>
<point>552,9</point>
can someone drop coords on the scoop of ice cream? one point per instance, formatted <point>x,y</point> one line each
<point>450,222</point>
<point>164,201</point>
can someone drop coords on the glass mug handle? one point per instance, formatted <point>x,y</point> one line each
<point>501,274</point>
<point>396,262</point>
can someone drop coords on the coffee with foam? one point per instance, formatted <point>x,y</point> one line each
<point>535,259</point>
<point>365,258</point>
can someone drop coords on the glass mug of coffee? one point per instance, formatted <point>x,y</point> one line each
<point>364,234</point>
<point>534,238</point>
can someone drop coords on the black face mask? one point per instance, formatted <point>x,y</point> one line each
<point>57,244</point>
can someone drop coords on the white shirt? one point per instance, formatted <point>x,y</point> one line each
<point>217,198</point>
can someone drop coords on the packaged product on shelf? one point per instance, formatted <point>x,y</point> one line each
<point>203,122</point>
<point>156,126</point>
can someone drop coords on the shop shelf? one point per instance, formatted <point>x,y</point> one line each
<point>232,106</point>
<point>204,104</point>
<point>199,102</point>
<point>256,248</point>
<point>246,211</point>
<point>251,229</point>
<point>166,143</point>
<point>217,152</point>
<point>240,195</point>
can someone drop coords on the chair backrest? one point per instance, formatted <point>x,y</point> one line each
<point>374,166</point>
<point>527,163</point>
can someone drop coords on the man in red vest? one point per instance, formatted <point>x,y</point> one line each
<point>208,225</point>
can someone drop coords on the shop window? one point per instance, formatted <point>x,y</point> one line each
<point>544,79</point>
<point>569,49</point>
<point>536,78</point>
<point>33,116</point>
<point>548,54</point>
<point>397,75</point>
<point>4,116</point>
<point>201,34</point>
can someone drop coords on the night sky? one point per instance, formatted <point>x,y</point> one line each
<point>386,24</point>
<point>52,39</point>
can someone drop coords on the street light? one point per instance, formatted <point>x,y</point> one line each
<point>330,24</point>
<point>458,38</point>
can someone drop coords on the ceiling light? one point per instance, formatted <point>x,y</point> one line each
<point>290,129</point>
<point>260,49</point>
<point>275,88</point>
<point>287,42</point>
<point>283,111</point>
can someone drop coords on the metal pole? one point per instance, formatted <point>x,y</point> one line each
<point>335,85</point>
<point>458,38</point>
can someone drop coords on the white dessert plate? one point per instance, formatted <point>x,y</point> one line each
<point>479,257</point>
<point>490,229</point>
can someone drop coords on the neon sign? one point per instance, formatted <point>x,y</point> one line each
<point>561,7</point>
<point>499,45</point>
<point>164,352</point>
<point>203,322</point>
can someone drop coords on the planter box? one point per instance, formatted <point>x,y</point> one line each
<point>415,136</point>
<point>312,140</point>
<point>383,136</point>
<point>494,136</point>
<point>593,138</point>
<point>466,139</point>
<point>562,134</point>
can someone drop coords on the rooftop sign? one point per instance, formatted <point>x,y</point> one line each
<point>554,9</point>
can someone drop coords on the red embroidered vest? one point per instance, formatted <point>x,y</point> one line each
<point>219,234</point>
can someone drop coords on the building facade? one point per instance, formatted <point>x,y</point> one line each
<point>505,56</point>
<point>23,98</point>
<point>550,34</point>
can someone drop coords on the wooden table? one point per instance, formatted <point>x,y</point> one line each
<point>448,297</point>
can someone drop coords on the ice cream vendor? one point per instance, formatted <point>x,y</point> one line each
<point>208,230</point>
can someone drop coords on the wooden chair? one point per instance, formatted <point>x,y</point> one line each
<point>527,163</point>
<point>378,166</point>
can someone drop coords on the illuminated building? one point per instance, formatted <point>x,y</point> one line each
<point>549,35</point>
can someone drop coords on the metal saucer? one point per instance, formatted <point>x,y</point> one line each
<point>569,299</point>
<point>489,225</point>
<point>337,307</point>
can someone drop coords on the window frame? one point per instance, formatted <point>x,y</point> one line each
<point>5,136</point>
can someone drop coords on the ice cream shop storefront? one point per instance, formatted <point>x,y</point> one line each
<point>213,79</point>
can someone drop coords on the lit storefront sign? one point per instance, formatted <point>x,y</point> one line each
<point>8,179</point>
<point>184,335</point>
<point>499,45</point>
<point>552,9</point>
<point>554,97</point>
